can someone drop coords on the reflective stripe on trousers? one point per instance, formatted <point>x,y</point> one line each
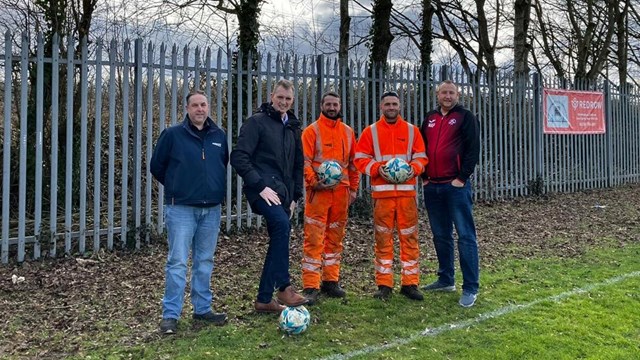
<point>324,229</point>
<point>385,213</point>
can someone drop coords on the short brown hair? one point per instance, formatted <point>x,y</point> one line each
<point>389,93</point>
<point>447,82</point>
<point>329,93</point>
<point>195,92</point>
<point>284,83</point>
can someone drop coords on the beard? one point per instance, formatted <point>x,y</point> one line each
<point>391,114</point>
<point>333,115</point>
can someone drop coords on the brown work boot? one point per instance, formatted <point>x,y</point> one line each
<point>271,308</point>
<point>332,289</point>
<point>290,297</point>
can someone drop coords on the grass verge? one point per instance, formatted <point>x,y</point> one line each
<point>601,323</point>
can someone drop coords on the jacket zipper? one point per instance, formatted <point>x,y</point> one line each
<point>435,150</point>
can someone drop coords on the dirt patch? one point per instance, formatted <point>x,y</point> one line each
<point>71,305</point>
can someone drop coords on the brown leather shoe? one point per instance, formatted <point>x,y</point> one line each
<point>290,297</point>
<point>271,308</point>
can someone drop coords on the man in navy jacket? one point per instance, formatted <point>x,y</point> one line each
<point>268,156</point>
<point>190,160</point>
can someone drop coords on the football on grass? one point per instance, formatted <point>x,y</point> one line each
<point>294,320</point>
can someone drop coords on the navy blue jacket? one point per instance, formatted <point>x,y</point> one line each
<point>269,153</point>
<point>192,170</point>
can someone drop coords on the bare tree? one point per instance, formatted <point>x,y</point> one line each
<point>549,40</point>
<point>247,13</point>
<point>51,19</point>
<point>471,31</point>
<point>576,35</point>
<point>594,42</point>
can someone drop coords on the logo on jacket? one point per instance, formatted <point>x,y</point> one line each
<point>217,144</point>
<point>452,122</point>
<point>432,123</point>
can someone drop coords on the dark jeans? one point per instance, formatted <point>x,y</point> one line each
<point>275,271</point>
<point>447,206</point>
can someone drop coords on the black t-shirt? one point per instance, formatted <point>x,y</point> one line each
<point>201,133</point>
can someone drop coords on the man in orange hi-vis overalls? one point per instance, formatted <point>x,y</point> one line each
<point>326,207</point>
<point>394,204</point>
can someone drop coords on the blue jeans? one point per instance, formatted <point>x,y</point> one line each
<point>275,271</point>
<point>447,206</point>
<point>196,229</point>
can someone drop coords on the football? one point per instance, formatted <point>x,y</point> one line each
<point>396,171</point>
<point>294,320</point>
<point>329,173</point>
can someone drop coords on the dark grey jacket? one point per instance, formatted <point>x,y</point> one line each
<point>269,153</point>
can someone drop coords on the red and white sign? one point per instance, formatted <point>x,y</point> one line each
<point>573,112</point>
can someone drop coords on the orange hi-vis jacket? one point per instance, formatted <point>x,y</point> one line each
<point>327,139</point>
<point>381,142</point>
<point>326,210</point>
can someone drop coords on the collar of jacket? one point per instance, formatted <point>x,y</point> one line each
<point>209,121</point>
<point>328,121</point>
<point>267,109</point>
<point>455,108</point>
<point>383,122</point>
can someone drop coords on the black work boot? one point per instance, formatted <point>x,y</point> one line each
<point>211,317</point>
<point>383,293</point>
<point>332,289</point>
<point>311,294</point>
<point>168,326</point>
<point>412,292</point>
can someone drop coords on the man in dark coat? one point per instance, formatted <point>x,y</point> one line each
<point>268,156</point>
<point>190,160</point>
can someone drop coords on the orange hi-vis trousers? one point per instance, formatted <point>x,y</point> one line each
<point>325,218</point>
<point>389,213</point>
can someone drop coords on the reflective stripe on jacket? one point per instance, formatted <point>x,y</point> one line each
<point>328,139</point>
<point>381,142</point>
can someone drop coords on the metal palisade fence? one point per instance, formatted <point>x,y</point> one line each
<point>80,123</point>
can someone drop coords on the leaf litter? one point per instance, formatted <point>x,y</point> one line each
<point>72,305</point>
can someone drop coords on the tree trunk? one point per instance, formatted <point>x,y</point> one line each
<point>622,35</point>
<point>486,48</point>
<point>345,22</point>
<point>426,37</point>
<point>522,20</point>
<point>248,13</point>
<point>381,32</point>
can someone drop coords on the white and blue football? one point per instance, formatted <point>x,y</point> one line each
<point>329,173</point>
<point>294,320</point>
<point>397,171</point>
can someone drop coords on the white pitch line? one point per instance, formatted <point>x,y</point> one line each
<point>478,319</point>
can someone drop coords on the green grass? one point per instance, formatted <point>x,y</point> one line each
<point>600,324</point>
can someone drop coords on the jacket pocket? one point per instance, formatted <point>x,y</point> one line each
<point>278,186</point>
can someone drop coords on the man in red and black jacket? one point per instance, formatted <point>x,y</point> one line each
<point>452,141</point>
